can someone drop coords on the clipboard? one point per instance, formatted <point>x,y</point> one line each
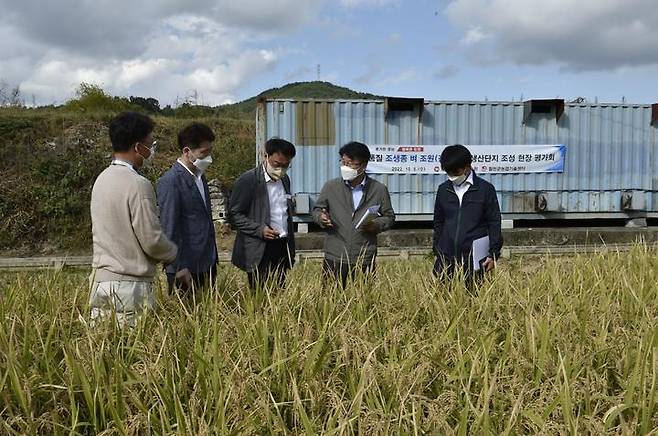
<point>370,214</point>
<point>480,252</point>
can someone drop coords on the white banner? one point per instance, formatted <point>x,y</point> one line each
<point>505,159</point>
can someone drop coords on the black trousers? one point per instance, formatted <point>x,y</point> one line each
<point>199,280</point>
<point>273,266</point>
<point>333,270</point>
<point>446,269</point>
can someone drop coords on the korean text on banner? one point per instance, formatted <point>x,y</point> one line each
<point>487,159</point>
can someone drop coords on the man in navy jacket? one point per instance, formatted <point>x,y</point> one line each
<point>185,211</point>
<point>466,209</point>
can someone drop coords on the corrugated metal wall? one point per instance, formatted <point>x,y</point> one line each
<point>610,149</point>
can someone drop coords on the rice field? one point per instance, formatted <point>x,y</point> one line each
<point>550,345</point>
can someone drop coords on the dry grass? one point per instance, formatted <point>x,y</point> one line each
<point>566,347</point>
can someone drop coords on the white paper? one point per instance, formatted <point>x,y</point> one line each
<point>480,251</point>
<point>370,214</point>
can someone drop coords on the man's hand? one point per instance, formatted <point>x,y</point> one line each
<point>489,264</point>
<point>325,219</point>
<point>269,233</point>
<point>370,227</point>
<point>185,277</point>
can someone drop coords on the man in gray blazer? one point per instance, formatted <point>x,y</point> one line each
<point>185,211</point>
<point>260,208</point>
<point>351,243</point>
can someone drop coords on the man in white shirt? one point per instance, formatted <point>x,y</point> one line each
<point>278,205</point>
<point>260,210</point>
<point>185,212</point>
<point>461,189</point>
<point>466,210</point>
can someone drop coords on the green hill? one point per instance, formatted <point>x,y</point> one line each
<point>315,89</point>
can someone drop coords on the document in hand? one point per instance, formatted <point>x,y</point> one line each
<point>480,251</point>
<point>370,214</point>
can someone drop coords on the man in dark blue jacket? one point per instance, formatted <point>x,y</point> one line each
<point>185,211</point>
<point>466,211</point>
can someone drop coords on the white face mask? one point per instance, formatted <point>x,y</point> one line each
<point>275,173</point>
<point>203,164</point>
<point>459,180</point>
<point>147,161</point>
<point>348,174</point>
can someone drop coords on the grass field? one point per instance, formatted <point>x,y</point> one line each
<point>553,346</point>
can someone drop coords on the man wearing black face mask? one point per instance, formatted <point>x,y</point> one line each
<point>466,219</point>
<point>185,212</point>
<point>260,209</point>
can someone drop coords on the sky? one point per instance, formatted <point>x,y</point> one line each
<point>224,51</point>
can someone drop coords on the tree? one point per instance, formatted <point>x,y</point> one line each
<point>91,97</point>
<point>10,97</point>
<point>149,104</point>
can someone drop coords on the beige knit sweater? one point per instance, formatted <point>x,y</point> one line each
<point>128,239</point>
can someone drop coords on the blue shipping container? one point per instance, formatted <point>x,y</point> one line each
<point>609,171</point>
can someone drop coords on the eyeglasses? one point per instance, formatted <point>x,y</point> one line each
<point>154,145</point>
<point>276,164</point>
<point>351,164</point>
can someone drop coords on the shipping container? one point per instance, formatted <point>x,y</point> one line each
<point>610,167</point>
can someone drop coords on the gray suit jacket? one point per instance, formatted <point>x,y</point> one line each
<point>249,212</point>
<point>344,242</point>
<point>187,220</point>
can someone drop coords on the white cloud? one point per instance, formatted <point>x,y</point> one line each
<point>584,35</point>
<point>52,78</point>
<point>473,36</point>
<point>119,27</point>
<point>131,47</point>
<point>54,81</point>
<point>137,70</point>
<point>221,79</point>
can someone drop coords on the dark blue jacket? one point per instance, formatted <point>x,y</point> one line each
<point>456,227</point>
<point>187,220</point>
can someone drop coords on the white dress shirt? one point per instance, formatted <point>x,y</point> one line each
<point>278,205</point>
<point>199,186</point>
<point>198,181</point>
<point>460,190</point>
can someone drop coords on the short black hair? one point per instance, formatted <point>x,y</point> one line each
<point>194,134</point>
<point>356,151</point>
<point>278,145</point>
<point>128,128</point>
<point>455,157</point>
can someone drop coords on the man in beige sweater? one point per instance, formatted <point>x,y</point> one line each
<point>127,237</point>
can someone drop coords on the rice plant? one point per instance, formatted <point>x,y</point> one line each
<point>549,345</point>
